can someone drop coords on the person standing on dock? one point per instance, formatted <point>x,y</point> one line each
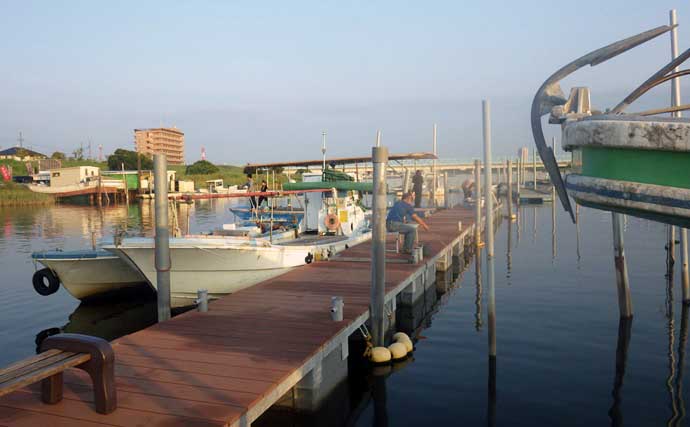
<point>468,188</point>
<point>417,184</point>
<point>249,185</point>
<point>264,188</point>
<point>395,221</point>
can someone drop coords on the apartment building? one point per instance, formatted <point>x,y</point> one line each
<point>168,141</point>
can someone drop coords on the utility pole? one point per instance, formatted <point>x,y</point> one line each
<point>21,139</point>
<point>90,154</point>
<point>323,149</point>
<point>100,152</point>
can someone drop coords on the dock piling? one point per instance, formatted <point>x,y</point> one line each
<point>162,239</point>
<point>202,300</point>
<point>379,159</point>
<point>488,203</point>
<point>534,168</point>
<point>675,101</point>
<point>510,190</point>
<point>434,187</point>
<point>477,204</point>
<point>446,191</point>
<point>624,298</point>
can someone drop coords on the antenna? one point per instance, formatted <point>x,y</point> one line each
<point>90,156</point>
<point>323,148</point>
<point>100,152</point>
<point>21,139</point>
<point>203,153</point>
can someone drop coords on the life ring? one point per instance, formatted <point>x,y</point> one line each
<point>39,281</point>
<point>332,222</point>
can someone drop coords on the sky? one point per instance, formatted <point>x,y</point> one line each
<point>260,81</point>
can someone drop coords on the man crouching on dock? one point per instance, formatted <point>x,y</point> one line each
<point>395,221</point>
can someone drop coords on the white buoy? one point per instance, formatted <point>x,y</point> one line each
<point>398,350</point>
<point>407,343</point>
<point>400,335</point>
<point>380,355</point>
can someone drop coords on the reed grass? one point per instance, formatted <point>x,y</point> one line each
<point>18,195</point>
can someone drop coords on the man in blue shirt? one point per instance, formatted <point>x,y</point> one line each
<point>395,221</point>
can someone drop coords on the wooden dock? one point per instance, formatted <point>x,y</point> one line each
<point>229,365</point>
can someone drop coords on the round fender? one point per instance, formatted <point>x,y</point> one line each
<point>309,258</point>
<point>331,222</point>
<point>45,282</point>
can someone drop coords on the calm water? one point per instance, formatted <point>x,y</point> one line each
<point>563,358</point>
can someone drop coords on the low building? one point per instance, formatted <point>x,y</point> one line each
<point>74,175</point>
<point>21,154</point>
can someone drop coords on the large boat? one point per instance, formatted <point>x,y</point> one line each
<point>634,163</point>
<point>224,264</point>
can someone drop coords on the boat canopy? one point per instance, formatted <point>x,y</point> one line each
<point>338,185</point>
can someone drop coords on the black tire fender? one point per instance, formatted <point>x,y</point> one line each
<point>309,258</point>
<point>39,281</point>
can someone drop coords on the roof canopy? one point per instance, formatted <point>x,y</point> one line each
<point>340,160</point>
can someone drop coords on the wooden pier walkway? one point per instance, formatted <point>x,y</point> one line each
<point>227,366</point>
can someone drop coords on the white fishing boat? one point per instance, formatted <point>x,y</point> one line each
<point>83,273</point>
<point>230,260</point>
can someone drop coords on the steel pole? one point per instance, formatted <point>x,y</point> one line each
<point>160,168</point>
<point>624,298</point>
<point>477,204</point>
<point>675,101</point>
<point>435,174</point>
<point>379,158</point>
<point>446,191</point>
<point>510,190</point>
<point>488,202</point>
<point>534,168</point>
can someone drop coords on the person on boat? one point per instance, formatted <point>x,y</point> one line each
<point>401,211</point>
<point>264,188</point>
<point>249,185</point>
<point>417,184</point>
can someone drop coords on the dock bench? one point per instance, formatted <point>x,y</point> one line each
<point>59,353</point>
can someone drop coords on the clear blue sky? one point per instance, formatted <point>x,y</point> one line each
<point>259,81</point>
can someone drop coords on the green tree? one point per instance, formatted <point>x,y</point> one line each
<point>78,154</point>
<point>129,158</point>
<point>202,167</point>
<point>58,155</point>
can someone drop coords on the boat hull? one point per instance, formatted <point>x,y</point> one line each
<point>223,269</point>
<point>87,276</point>
<point>637,166</point>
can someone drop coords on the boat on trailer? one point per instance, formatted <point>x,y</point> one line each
<point>636,164</point>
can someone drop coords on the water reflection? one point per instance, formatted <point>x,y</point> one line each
<point>509,250</point>
<point>624,333</point>
<point>478,292</point>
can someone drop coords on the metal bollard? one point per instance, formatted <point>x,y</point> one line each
<point>202,300</point>
<point>337,306</point>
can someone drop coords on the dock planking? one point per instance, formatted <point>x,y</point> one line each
<point>227,366</point>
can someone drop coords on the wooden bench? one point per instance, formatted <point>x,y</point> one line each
<point>59,353</point>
